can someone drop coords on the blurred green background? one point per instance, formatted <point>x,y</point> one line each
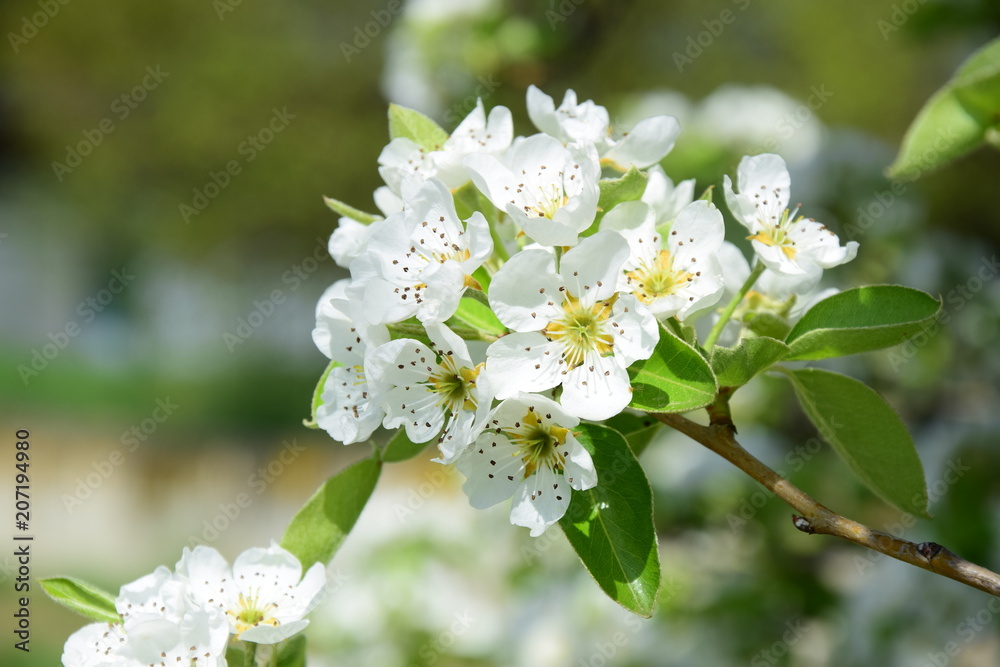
<point>145,107</point>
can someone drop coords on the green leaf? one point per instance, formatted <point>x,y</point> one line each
<point>318,395</point>
<point>350,212</point>
<point>324,521</point>
<point>735,366</point>
<point>957,119</point>
<point>292,653</point>
<point>638,430</point>
<point>676,378</point>
<point>471,313</point>
<point>768,325</point>
<point>867,433</point>
<point>401,448</point>
<point>616,190</point>
<point>860,320</point>
<point>83,598</point>
<point>611,525</point>
<point>415,126</point>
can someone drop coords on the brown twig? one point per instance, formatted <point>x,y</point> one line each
<point>814,518</point>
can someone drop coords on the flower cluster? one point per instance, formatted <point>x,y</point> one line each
<point>186,617</point>
<point>572,251</point>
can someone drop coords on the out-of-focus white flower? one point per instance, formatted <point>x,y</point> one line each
<point>528,451</point>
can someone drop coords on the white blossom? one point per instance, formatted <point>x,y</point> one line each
<point>588,123</point>
<point>419,262</point>
<point>789,245</point>
<point>573,327</point>
<point>548,189</point>
<point>528,451</point>
<point>432,390</point>
<point>677,275</point>
<point>264,596</point>
<point>349,411</point>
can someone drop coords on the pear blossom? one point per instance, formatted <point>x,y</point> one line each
<point>476,134</point>
<point>548,189</point>
<point>788,245</point>
<point>571,122</point>
<point>94,645</point>
<point>419,262</point>
<point>405,161</point>
<point>677,275</point>
<point>348,241</point>
<point>529,452</point>
<point>588,123</point>
<point>665,198</point>
<point>159,626</point>
<point>264,595</point>
<point>198,638</point>
<point>349,411</point>
<point>435,390</point>
<point>573,327</point>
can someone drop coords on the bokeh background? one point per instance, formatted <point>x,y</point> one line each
<point>148,418</point>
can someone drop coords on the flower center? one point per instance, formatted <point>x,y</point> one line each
<point>551,199</point>
<point>777,235</point>
<point>582,329</point>
<point>249,613</point>
<point>650,282</point>
<point>538,444</point>
<point>454,385</point>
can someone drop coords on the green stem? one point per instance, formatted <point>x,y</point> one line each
<point>249,654</point>
<point>418,330</point>
<point>731,307</point>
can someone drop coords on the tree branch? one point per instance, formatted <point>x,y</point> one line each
<point>815,518</point>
